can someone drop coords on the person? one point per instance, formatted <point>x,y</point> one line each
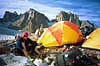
<point>23,42</point>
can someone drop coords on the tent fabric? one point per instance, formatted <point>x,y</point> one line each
<point>93,40</point>
<point>61,33</point>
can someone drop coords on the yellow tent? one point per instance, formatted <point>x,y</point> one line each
<point>93,40</point>
<point>61,33</point>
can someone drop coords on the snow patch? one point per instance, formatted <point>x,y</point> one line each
<point>7,37</point>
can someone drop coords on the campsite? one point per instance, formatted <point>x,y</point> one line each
<point>61,44</point>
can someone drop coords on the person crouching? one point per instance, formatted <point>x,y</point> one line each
<point>23,42</point>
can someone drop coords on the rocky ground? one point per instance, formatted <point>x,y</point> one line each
<point>11,60</point>
<point>8,59</point>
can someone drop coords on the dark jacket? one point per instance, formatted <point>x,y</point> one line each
<point>28,41</point>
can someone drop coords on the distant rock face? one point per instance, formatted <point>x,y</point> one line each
<point>87,23</point>
<point>30,21</point>
<point>54,20</point>
<point>9,16</point>
<point>63,16</point>
<point>1,20</point>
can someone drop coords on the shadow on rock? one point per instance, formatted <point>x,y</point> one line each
<point>2,62</point>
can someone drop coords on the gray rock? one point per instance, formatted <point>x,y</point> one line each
<point>9,16</point>
<point>87,23</point>
<point>68,16</point>
<point>64,16</point>
<point>1,20</point>
<point>2,62</point>
<point>87,27</point>
<point>30,21</point>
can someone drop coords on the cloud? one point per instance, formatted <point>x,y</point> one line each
<point>90,18</point>
<point>49,11</point>
<point>63,3</point>
<point>23,5</point>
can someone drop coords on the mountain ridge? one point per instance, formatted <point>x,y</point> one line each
<point>32,19</point>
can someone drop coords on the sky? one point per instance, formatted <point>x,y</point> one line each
<point>85,9</point>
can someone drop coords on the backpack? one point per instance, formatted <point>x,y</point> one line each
<point>68,58</point>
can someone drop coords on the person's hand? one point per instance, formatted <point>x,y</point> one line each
<point>25,49</point>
